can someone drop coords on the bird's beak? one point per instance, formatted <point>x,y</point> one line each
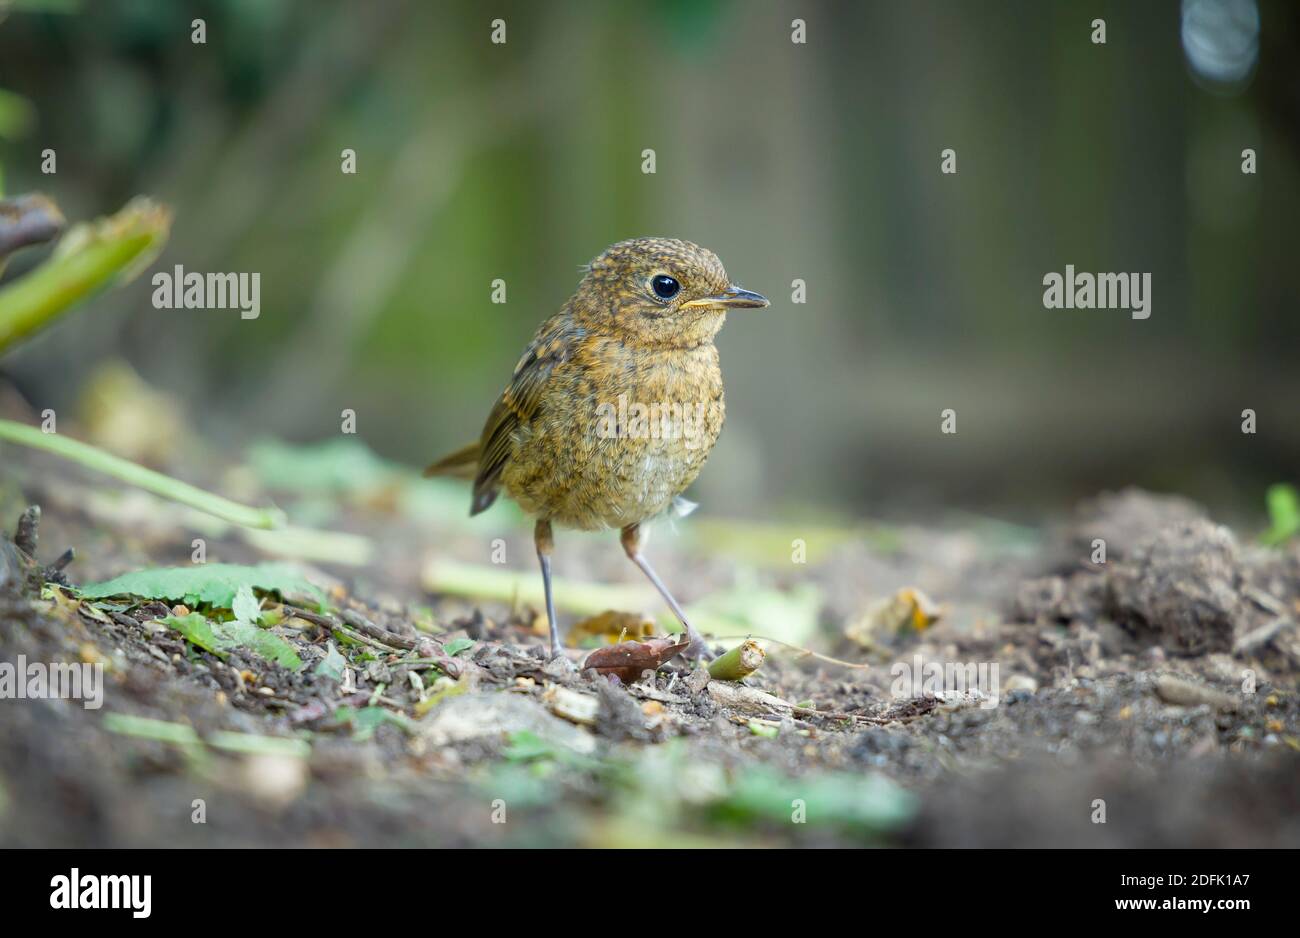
<point>733,297</point>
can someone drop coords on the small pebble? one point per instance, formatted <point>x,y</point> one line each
<point>1022,682</point>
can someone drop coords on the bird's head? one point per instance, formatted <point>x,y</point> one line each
<point>658,292</point>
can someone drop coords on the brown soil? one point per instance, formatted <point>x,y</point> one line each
<point>1158,687</point>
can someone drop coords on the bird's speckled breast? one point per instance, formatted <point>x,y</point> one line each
<point>625,432</point>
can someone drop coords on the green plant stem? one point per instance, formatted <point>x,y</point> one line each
<point>133,474</point>
<point>739,663</point>
<point>90,258</point>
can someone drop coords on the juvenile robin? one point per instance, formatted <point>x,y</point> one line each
<point>615,404</point>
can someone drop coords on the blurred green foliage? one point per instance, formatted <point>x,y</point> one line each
<point>819,162</point>
<point>1283,512</point>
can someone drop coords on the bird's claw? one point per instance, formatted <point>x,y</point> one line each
<point>698,650</point>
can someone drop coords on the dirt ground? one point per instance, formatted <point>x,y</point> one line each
<point>1150,700</point>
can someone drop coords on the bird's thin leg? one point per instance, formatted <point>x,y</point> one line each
<point>545,544</point>
<point>631,540</point>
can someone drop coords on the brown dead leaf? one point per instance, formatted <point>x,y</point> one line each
<point>628,659</point>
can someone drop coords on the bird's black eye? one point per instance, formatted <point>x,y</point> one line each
<point>665,287</point>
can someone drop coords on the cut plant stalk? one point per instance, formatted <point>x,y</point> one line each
<point>137,475</point>
<point>739,663</point>
<point>90,258</point>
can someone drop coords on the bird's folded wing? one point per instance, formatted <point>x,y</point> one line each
<point>517,407</point>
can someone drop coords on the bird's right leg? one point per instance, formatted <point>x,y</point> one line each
<point>631,540</point>
<point>545,542</point>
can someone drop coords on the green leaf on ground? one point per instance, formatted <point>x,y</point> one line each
<point>213,583</point>
<point>246,606</point>
<point>457,645</point>
<point>261,642</point>
<point>221,637</point>
<point>197,631</point>
<point>332,664</point>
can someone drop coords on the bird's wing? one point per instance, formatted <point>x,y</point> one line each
<point>517,406</point>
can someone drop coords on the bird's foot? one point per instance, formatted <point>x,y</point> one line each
<point>559,667</point>
<point>698,650</point>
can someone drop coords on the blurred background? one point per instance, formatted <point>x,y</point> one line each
<point>816,161</point>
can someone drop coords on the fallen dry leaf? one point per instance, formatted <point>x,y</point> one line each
<point>627,660</point>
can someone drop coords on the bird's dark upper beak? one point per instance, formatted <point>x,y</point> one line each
<point>733,297</point>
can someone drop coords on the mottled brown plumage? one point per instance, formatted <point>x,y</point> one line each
<point>616,402</point>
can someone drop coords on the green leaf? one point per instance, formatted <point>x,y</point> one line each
<point>221,637</point>
<point>198,631</point>
<point>261,642</point>
<point>214,583</point>
<point>246,606</point>
<point>457,645</point>
<point>332,664</point>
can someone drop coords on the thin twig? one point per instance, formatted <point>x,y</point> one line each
<point>360,629</point>
<point>362,624</point>
<point>836,715</point>
<point>27,534</point>
<point>804,651</point>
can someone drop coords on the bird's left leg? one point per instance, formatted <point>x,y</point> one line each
<point>631,540</point>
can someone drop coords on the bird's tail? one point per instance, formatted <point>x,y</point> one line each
<point>462,464</point>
